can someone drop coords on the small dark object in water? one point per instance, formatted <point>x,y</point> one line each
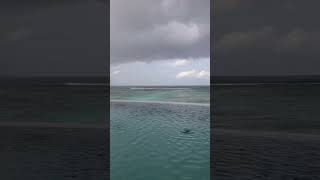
<point>186,131</point>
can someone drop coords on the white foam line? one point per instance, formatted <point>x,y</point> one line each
<point>161,102</point>
<point>133,88</point>
<point>86,84</point>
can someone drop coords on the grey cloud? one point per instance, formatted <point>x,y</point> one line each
<point>50,38</point>
<point>266,37</point>
<point>296,40</point>
<point>229,6</point>
<point>301,41</point>
<point>239,41</point>
<point>146,30</point>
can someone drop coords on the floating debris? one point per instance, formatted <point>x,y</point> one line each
<point>186,131</point>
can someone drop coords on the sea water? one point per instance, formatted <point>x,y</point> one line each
<point>266,131</point>
<point>160,133</point>
<point>32,101</point>
<point>53,130</point>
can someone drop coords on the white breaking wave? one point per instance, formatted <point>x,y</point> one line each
<point>161,102</point>
<point>158,88</point>
<point>86,84</point>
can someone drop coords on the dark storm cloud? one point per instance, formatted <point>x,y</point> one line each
<point>147,30</point>
<point>53,38</point>
<point>266,37</point>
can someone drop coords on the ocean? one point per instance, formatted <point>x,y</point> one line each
<point>266,131</point>
<point>58,129</point>
<point>160,133</point>
<point>51,129</point>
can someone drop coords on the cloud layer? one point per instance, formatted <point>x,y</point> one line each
<point>267,37</point>
<point>53,38</point>
<point>168,72</point>
<point>148,30</point>
<point>193,74</point>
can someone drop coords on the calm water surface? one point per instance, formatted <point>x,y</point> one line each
<point>266,131</point>
<point>53,131</point>
<point>160,133</point>
<point>53,103</point>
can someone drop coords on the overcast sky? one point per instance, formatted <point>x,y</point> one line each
<point>160,42</point>
<point>53,38</point>
<point>250,37</point>
<point>266,37</point>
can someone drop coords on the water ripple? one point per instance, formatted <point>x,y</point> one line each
<point>151,142</point>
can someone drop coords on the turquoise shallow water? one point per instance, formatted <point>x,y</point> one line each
<point>188,94</point>
<point>159,141</point>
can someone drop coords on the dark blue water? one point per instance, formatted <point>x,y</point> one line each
<point>58,102</point>
<point>266,131</point>
<point>51,130</point>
